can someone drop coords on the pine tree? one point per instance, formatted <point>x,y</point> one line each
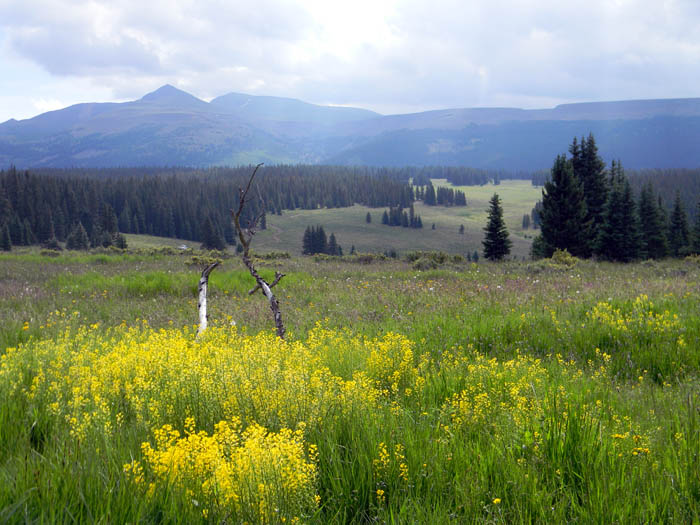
<point>429,197</point>
<point>461,229</point>
<point>679,236</point>
<point>78,238</point>
<point>108,219</point>
<point>563,213</point>
<point>119,241</point>
<point>368,218</point>
<point>591,172</point>
<point>5,239</point>
<point>211,238</point>
<point>125,219</point>
<point>696,232</point>
<point>332,248</point>
<point>307,243</point>
<point>320,240</point>
<point>385,218</point>
<point>496,242</point>
<point>618,237</point>
<point>653,228</point>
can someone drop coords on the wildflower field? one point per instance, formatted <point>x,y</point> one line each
<point>556,391</point>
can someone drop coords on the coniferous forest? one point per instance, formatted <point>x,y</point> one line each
<point>187,204</point>
<point>580,211</point>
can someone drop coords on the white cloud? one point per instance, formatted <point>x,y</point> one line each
<point>390,55</point>
<point>43,105</point>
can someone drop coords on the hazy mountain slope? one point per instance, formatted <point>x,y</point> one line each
<point>660,142</point>
<point>170,126</point>
<point>254,108</point>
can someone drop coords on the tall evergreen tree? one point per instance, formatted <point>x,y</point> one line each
<point>429,198</point>
<point>211,238</point>
<point>679,235</point>
<point>652,225</point>
<point>591,172</point>
<point>696,232</point>
<point>307,243</point>
<point>563,214</point>
<point>368,218</point>
<point>618,236</point>
<point>320,240</point>
<point>108,219</point>
<point>526,221</point>
<point>496,242</point>
<point>78,238</point>
<point>5,239</point>
<point>332,248</point>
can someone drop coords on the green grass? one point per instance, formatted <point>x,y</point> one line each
<point>591,377</point>
<point>285,232</point>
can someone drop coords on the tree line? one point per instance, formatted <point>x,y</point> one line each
<point>187,204</point>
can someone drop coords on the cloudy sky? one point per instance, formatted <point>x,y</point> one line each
<point>392,56</point>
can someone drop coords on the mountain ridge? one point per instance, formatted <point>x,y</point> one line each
<point>169,125</point>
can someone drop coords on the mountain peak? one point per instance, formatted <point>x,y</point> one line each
<point>169,94</point>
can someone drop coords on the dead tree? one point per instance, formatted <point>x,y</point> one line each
<point>245,236</point>
<point>202,297</point>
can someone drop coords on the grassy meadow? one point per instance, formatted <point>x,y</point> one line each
<point>285,232</point>
<point>550,391</point>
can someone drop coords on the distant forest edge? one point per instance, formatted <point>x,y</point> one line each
<point>40,205</point>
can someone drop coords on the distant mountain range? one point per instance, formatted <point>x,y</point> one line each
<point>171,127</point>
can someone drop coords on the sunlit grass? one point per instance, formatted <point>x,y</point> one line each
<point>471,393</point>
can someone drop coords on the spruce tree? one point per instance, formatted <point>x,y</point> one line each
<point>332,248</point>
<point>591,172</point>
<point>307,243</point>
<point>119,241</point>
<point>563,214</point>
<point>696,232</point>
<point>368,218</point>
<point>320,240</point>
<point>496,242</point>
<point>429,198</point>
<point>652,225</point>
<point>211,238</point>
<point>618,237</point>
<point>679,236</point>
<point>5,239</point>
<point>78,238</point>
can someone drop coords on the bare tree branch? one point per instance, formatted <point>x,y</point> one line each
<point>278,277</point>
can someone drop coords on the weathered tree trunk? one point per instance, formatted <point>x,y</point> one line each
<point>245,239</point>
<point>202,301</point>
<point>267,292</point>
